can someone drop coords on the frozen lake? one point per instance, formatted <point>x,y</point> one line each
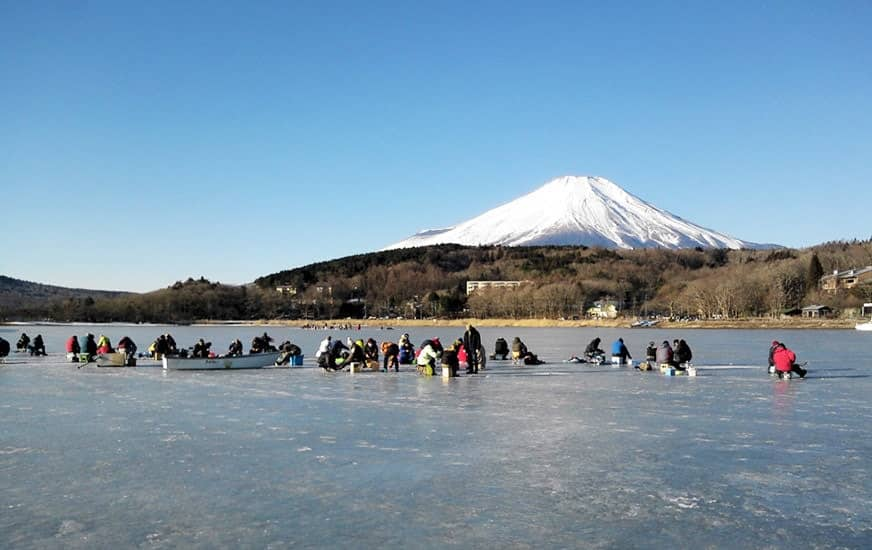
<point>553,456</point>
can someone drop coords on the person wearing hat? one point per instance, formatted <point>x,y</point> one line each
<point>620,353</point>
<point>406,355</point>
<point>357,354</point>
<point>772,348</point>
<point>785,362</point>
<point>651,353</point>
<point>665,356</point>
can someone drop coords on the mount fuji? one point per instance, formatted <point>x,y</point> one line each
<point>578,210</point>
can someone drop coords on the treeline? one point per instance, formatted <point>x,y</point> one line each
<point>558,282</point>
<point>182,302</point>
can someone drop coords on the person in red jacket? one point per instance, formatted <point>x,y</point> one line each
<point>73,346</point>
<point>785,361</point>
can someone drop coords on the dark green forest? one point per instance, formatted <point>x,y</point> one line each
<point>558,282</point>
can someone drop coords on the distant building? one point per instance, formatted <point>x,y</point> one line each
<point>843,280</point>
<point>816,311</point>
<point>867,309</point>
<point>286,289</point>
<point>472,286</point>
<point>603,309</point>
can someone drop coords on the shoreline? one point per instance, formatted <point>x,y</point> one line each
<point>738,324</point>
<point>742,324</point>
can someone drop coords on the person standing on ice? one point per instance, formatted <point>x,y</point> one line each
<point>472,343</point>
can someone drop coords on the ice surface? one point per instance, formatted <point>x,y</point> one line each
<point>554,456</point>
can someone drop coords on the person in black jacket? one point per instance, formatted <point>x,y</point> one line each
<point>682,352</point>
<point>37,347</point>
<point>23,342</point>
<point>472,345</point>
<point>90,347</point>
<point>501,349</point>
<point>449,359</point>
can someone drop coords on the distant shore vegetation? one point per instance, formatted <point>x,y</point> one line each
<point>551,283</point>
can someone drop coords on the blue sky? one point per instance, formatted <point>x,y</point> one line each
<point>143,143</point>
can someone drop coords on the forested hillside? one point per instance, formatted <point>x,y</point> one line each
<point>557,282</point>
<point>15,293</point>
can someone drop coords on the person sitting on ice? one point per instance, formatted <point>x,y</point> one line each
<point>620,353</point>
<point>683,354</point>
<point>785,362</point>
<point>650,357</point>
<point>370,350</point>
<point>37,347</point>
<point>90,347</point>
<point>23,342</point>
<point>427,357</point>
<point>104,345</point>
<point>356,355</point>
<point>288,350</point>
<point>449,358</point>
<point>4,348</point>
<point>73,349</point>
<point>592,352</point>
<point>519,350</point>
<point>665,356</point>
<point>127,347</point>
<point>407,350</point>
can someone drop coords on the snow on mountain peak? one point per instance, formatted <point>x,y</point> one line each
<point>577,210</point>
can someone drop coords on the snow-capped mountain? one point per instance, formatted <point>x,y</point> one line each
<point>578,210</point>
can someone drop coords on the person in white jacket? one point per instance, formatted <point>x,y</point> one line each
<point>323,346</point>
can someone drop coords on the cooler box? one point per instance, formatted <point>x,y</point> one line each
<point>297,360</point>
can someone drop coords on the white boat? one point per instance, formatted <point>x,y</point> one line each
<point>864,326</point>
<point>251,361</point>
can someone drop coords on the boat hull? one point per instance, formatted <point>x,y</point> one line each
<point>252,361</point>
<point>864,326</point>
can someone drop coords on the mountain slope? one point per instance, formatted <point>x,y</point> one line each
<point>575,210</point>
<point>18,293</point>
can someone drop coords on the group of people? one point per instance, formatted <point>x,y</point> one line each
<point>24,344</point>
<point>336,355</point>
<point>677,356</point>
<point>465,352</point>
<point>88,350</point>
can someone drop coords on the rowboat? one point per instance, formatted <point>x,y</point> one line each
<point>864,326</point>
<point>251,361</point>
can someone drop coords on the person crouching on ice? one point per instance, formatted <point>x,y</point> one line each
<point>427,359</point>
<point>785,361</point>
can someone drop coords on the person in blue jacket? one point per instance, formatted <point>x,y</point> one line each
<point>619,350</point>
